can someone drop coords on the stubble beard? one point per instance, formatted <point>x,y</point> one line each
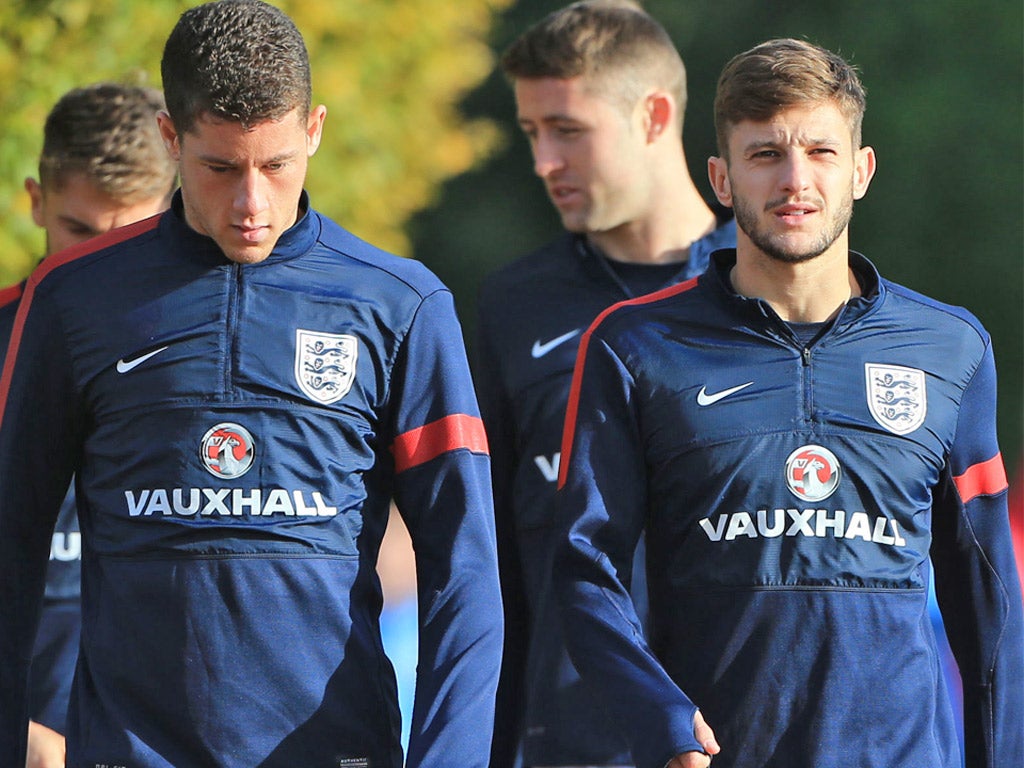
<point>577,220</point>
<point>774,246</point>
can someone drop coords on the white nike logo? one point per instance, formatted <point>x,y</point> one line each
<point>123,366</point>
<point>539,349</point>
<point>703,398</point>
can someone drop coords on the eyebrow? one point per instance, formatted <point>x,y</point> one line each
<point>214,160</point>
<point>773,143</point>
<point>555,117</point>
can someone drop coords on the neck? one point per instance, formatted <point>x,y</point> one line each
<point>812,291</point>
<point>675,215</point>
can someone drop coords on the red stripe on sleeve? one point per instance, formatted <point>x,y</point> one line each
<point>577,375</point>
<point>984,479</point>
<point>418,446</point>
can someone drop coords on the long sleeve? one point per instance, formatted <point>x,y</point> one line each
<point>38,445</point>
<point>976,581</point>
<point>494,407</point>
<point>443,492</point>
<point>603,497</point>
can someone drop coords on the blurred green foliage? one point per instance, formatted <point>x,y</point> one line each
<point>415,106</point>
<point>391,74</point>
<point>945,211</point>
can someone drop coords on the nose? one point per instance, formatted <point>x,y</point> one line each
<point>546,156</point>
<point>796,175</point>
<point>250,197</point>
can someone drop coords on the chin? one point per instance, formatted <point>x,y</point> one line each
<point>574,223</point>
<point>246,256</point>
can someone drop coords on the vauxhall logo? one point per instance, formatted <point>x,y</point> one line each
<point>812,523</point>
<point>812,474</point>
<point>227,451</point>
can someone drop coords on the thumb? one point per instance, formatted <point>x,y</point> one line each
<point>704,735</point>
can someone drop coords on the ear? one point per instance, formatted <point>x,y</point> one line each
<point>35,194</point>
<point>169,134</point>
<point>863,171</point>
<point>315,129</point>
<point>659,109</point>
<point>718,175</point>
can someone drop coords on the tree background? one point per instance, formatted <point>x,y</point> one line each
<point>421,154</point>
<point>944,211</point>
<point>391,73</point>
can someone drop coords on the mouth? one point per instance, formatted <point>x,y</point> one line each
<point>562,195</point>
<point>251,234</point>
<point>794,213</point>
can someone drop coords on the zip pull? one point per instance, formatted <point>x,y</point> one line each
<point>806,355</point>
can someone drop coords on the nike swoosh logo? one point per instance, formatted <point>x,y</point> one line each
<point>539,349</point>
<point>703,398</point>
<point>123,366</point>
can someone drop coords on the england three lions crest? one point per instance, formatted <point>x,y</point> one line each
<point>897,397</point>
<point>325,364</point>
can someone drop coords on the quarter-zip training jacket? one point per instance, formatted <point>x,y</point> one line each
<point>55,651</point>
<point>792,494</point>
<point>237,434</point>
<point>532,315</point>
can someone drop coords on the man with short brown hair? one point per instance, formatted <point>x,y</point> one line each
<point>600,94</point>
<point>801,439</point>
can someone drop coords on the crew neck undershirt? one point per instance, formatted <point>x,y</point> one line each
<point>807,332</point>
<point>645,278</point>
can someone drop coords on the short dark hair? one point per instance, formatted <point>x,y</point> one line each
<point>782,73</point>
<point>618,47</point>
<point>108,133</point>
<point>241,60</point>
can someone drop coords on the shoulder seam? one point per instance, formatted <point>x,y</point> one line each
<point>98,243</point>
<point>940,306</point>
<point>11,293</point>
<point>571,409</point>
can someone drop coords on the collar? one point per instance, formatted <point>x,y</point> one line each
<point>872,288</point>
<point>295,241</point>
<point>598,264</point>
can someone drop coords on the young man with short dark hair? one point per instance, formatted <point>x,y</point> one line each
<point>242,388</point>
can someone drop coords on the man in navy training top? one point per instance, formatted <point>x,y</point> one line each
<point>241,388</point>
<point>600,92</point>
<point>103,165</point>
<point>797,435</point>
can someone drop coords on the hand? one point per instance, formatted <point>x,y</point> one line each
<point>703,733</point>
<point>45,747</point>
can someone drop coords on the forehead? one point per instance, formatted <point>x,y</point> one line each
<point>547,98</point>
<point>78,196</point>
<point>229,137</point>
<point>80,199</point>
<point>821,122</point>
<point>70,182</point>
